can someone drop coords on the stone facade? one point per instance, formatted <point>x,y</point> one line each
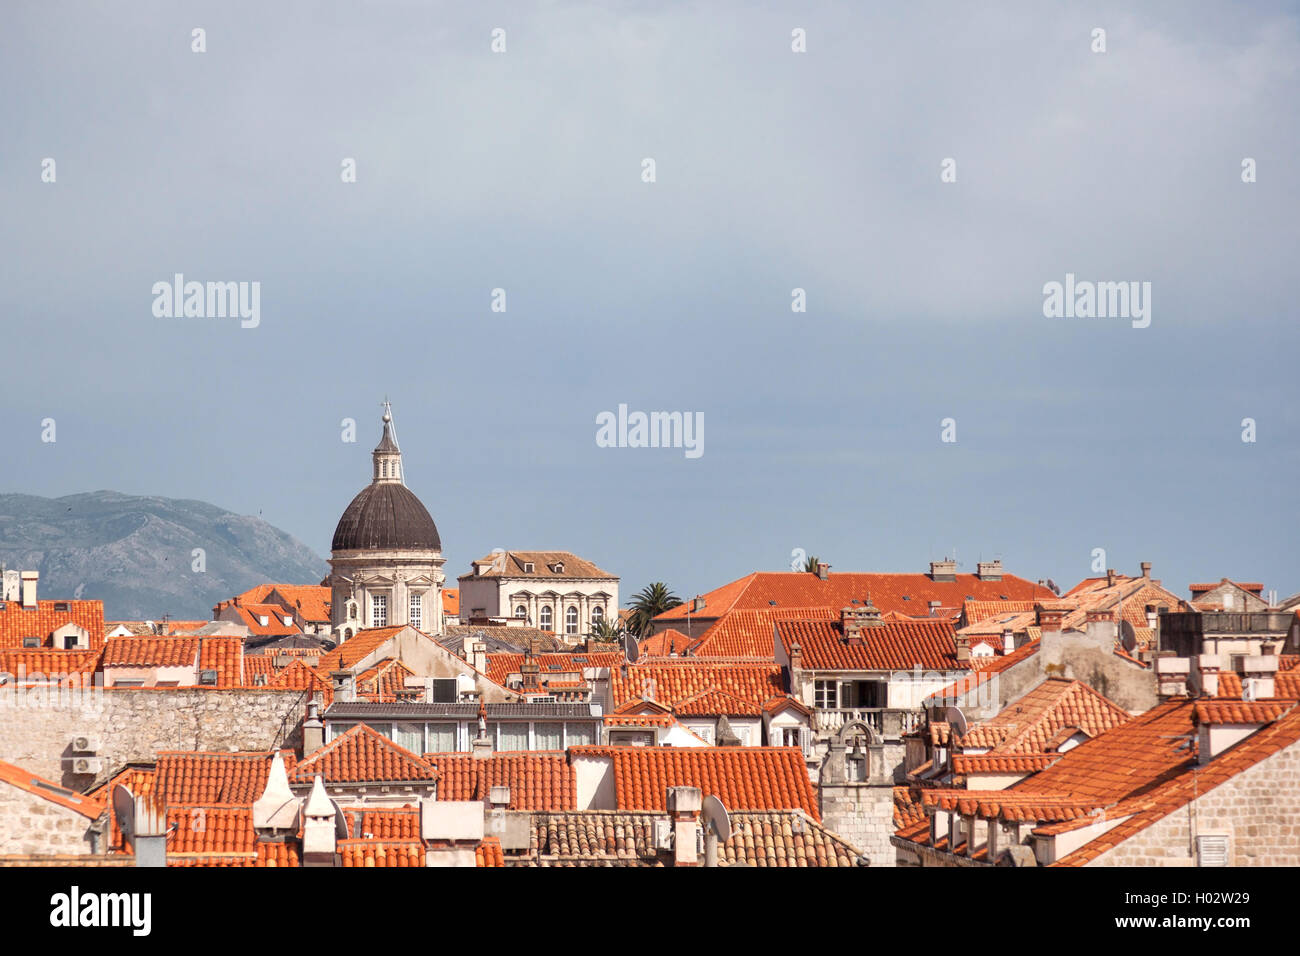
<point>1257,809</point>
<point>36,731</point>
<point>30,825</point>
<point>863,814</point>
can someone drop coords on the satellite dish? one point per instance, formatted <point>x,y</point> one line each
<point>956,719</point>
<point>715,815</point>
<point>630,649</point>
<point>124,810</point>
<point>1127,637</point>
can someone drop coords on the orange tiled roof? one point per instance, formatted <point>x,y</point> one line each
<point>752,633</point>
<point>151,652</point>
<point>199,777</point>
<point>1002,762</point>
<point>307,602</point>
<point>43,620</point>
<point>669,681</point>
<point>383,823</point>
<point>666,643</point>
<point>640,720</point>
<point>743,778</point>
<point>47,665</point>
<point>29,782</point>
<point>1026,726</point>
<point>299,676</point>
<point>251,615</point>
<point>899,645</point>
<point>1009,805</point>
<point>361,644</point>
<point>381,853</point>
<point>513,563</point>
<point>538,780</point>
<point>907,808</point>
<point>382,682</point>
<point>1254,587</point>
<point>973,612</point>
<point>225,655</point>
<point>451,601</point>
<point>363,755</point>
<point>904,593</point>
<point>1173,788</point>
<point>501,665</point>
<point>1240,711</point>
<point>489,853</point>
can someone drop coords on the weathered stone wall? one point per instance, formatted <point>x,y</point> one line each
<point>132,725</point>
<point>32,825</point>
<point>863,814</point>
<point>1257,808</point>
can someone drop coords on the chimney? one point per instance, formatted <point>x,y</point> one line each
<point>945,570</point>
<point>725,736</point>
<point>344,685</point>
<point>796,661</point>
<point>1008,641</point>
<point>851,626</point>
<point>1258,673</point>
<point>10,588</point>
<point>313,730</point>
<point>684,811</point>
<point>29,588</point>
<point>1110,577</point>
<point>318,827</point>
<point>963,648</point>
<point>1146,569</point>
<point>1050,617</point>
<point>1205,674</point>
<point>1172,675</point>
<point>478,655</point>
<point>149,833</point>
<point>989,570</point>
<point>529,670</point>
<point>823,570</point>
<point>276,811</point>
<point>482,744</point>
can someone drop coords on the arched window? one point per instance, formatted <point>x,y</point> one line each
<point>571,621</point>
<point>521,611</point>
<point>597,615</point>
<point>544,619</point>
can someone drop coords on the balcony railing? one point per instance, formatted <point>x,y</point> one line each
<point>886,721</point>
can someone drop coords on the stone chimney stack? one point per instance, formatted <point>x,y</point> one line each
<point>1050,615</point>
<point>149,833</point>
<point>1205,674</point>
<point>1110,577</point>
<point>684,804</point>
<point>989,570</point>
<point>529,671</point>
<point>823,570</point>
<point>276,812</point>
<point>313,730</point>
<point>945,570</point>
<point>318,833</point>
<point>29,589</point>
<point>1146,569</point>
<point>851,625</point>
<point>1258,673</point>
<point>345,687</point>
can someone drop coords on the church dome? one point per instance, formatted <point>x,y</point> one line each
<point>386,515</point>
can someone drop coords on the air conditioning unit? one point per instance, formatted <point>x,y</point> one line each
<point>87,765</point>
<point>664,838</point>
<point>85,745</point>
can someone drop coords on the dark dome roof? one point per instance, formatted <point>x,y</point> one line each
<point>386,515</point>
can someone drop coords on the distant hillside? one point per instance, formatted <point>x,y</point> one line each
<point>134,553</point>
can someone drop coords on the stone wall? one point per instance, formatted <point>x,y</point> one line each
<point>31,825</point>
<point>132,725</point>
<point>1257,808</point>
<point>863,814</point>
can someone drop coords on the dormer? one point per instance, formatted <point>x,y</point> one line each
<point>558,567</point>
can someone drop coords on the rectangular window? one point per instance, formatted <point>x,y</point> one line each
<point>378,610</point>
<point>441,738</point>
<point>417,611</point>
<point>129,682</point>
<point>338,730</point>
<point>825,693</point>
<point>410,736</point>
<point>70,642</point>
<point>548,736</point>
<point>578,735</point>
<point>444,690</point>
<point>705,733</point>
<point>512,736</point>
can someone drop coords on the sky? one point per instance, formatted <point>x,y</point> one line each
<point>774,170</point>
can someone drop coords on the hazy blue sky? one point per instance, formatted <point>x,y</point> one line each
<point>775,170</point>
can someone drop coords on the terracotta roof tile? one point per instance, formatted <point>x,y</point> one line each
<point>225,655</point>
<point>363,755</point>
<point>752,633</point>
<point>538,780</point>
<point>904,593</point>
<point>670,681</point>
<point>502,665</point>
<point>899,645</point>
<point>381,853</point>
<point>667,643</point>
<point>49,666</point>
<point>1002,763</point>
<point>43,620</point>
<point>1241,712</point>
<point>743,778</point>
<point>1025,726</point>
<point>383,823</point>
<point>197,777</point>
<point>151,652</point>
<point>360,645</point>
<point>488,853</point>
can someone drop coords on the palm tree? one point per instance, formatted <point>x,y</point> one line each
<point>810,563</point>
<point>606,631</point>
<point>652,600</point>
